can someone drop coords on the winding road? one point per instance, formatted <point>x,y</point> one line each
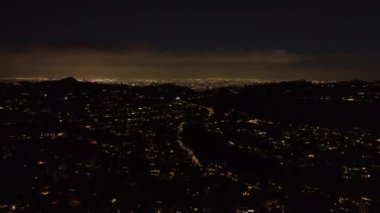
<point>195,160</point>
<point>189,152</point>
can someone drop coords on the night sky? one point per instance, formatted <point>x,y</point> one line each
<point>267,40</point>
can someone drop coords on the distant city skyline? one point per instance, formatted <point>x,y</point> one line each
<point>270,65</point>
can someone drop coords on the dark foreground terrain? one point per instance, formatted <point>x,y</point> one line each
<point>69,146</point>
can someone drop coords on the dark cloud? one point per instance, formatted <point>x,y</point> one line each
<point>271,40</point>
<point>294,25</point>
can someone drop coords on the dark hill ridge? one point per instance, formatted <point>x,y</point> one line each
<point>64,84</point>
<point>68,80</point>
<point>64,81</point>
